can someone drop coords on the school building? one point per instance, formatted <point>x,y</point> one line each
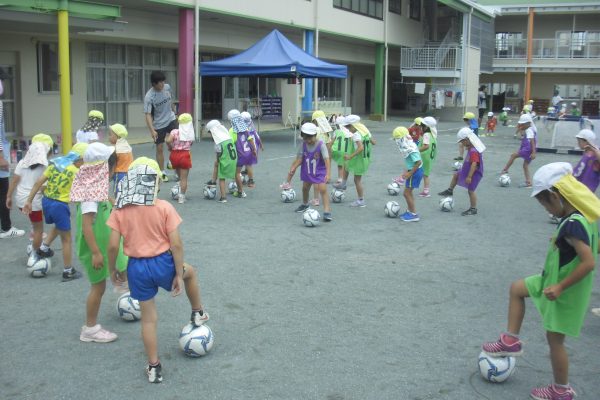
<point>404,57</point>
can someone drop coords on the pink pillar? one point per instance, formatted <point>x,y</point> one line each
<point>185,66</point>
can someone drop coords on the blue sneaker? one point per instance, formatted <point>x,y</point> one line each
<point>410,217</point>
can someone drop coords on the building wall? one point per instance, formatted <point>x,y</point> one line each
<point>546,25</point>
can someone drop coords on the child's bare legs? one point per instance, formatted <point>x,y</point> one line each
<point>461,150</point>
<point>510,161</point>
<point>238,179</point>
<point>359,186</point>
<point>516,306</point>
<point>305,191</point>
<point>149,321</point>
<point>53,234</point>
<point>410,201</point>
<point>472,198</point>
<point>65,240</point>
<point>92,305</point>
<point>215,171</point>
<point>250,172</point>
<point>192,288</point>
<point>426,183</point>
<point>222,189</point>
<point>38,234</point>
<point>322,188</point>
<point>526,172</point>
<point>183,179</point>
<point>559,357</point>
<point>316,192</point>
<point>340,175</point>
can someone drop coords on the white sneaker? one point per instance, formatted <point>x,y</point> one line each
<point>96,334</point>
<point>33,258</point>
<point>181,198</point>
<point>12,232</point>
<point>596,311</point>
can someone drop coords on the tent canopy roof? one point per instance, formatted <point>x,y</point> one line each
<point>274,56</point>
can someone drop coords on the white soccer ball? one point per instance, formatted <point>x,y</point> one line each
<point>288,196</point>
<point>232,187</point>
<point>29,249</point>
<point>457,165</point>
<point>504,180</point>
<point>447,204</point>
<point>337,195</point>
<point>196,341</point>
<point>394,189</point>
<point>175,192</point>
<point>311,217</point>
<point>128,308</point>
<point>210,192</point>
<point>41,268</point>
<point>496,369</point>
<point>245,178</point>
<point>392,209</point>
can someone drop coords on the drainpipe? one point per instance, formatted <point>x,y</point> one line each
<point>64,75</point>
<point>316,81</point>
<point>529,52</point>
<point>386,7</point>
<point>197,100</point>
<point>465,56</point>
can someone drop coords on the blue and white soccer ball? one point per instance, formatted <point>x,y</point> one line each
<point>457,165</point>
<point>175,190</point>
<point>41,268</point>
<point>496,369</point>
<point>394,189</point>
<point>232,187</point>
<point>288,195</point>
<point>447,204</point>
<point>196,341</point>
<point>210,192</point>
<point>504,180</point>
<point>337,195</point>
<point>311,217</point>
<point>128,308</point>
<point>392,209</point>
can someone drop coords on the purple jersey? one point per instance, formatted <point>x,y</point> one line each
<point>587,171</point>
<point>254,134</point>
<point>313,167</point>
<point>244,151</point>
<point>473,154</point>
<point>525,149</point>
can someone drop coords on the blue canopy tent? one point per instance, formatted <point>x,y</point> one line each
<point>277,57</point>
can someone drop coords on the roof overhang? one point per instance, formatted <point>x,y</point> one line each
<point>76,8</point>
<point>467,6</point>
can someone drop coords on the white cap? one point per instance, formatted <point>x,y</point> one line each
<point>352,119</point>
<point>490,114</point>
<point>505,108</point>
<point>545,177</point>
<point>218,131</point>
<point>463,133</point>
<point>525,119</point>
<point>340,120</point>
<point>309,128</point>
<point>246,115</point>
<point>97,152</point>
<point>232,114</point>
<point>587,134</point>
<point>430,122</point>
<point>573,104</point>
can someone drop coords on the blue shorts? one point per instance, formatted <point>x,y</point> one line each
<point>57,213</point>
<point>414,181</point>
<point>116,179</point>
<point>146,275</point>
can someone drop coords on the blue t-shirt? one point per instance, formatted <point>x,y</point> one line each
<point>571,228</point>
<point>412,159</point>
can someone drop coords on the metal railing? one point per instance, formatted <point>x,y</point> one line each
<point>431,58</point>
<point>548,49</point>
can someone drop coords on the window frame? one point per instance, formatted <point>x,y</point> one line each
<point>414,9</point>
<point>355,6</point>
<point>395,6</point>
<point>40,68</point>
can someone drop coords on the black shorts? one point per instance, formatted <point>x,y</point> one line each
<point>162,132</point>
<point>481,112</point>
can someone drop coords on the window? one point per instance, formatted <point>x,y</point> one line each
<point>415,10</point>
<point>330,89</point>
<point>47,67</point>
<point>8,100</point>
<point>370,8</point>
<point>395,6</point>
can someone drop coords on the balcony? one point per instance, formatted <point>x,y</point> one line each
<point>437,62</point>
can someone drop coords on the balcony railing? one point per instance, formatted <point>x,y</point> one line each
<point>431,58</point>
<point>547,49</point>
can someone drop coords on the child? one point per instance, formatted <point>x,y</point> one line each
<point>470,120</point>
<point>491,124</point>
<point>225,163</point>
<point>428,150</point>
<point>339,145</point>
<point>245,148</point>
<point>90,190</point>
<point>416,130</point>
<point>26,174</point>
<point>180,142</point>
<point>587,170</point>
<point>323,128</point>
<point>575,111</point>
<point>504,116</point>
<point>255,138</point>
<point>527,148</point>
<point>562,292</point>
<point>414,170</point>
<point>471,172</point>
<point>233,135</point>
<point>89,131</point>
<point>124,152</point>
<point>314,163</point>
<point>151,239</point>
<point>55,204</point>
<point>357,158</point>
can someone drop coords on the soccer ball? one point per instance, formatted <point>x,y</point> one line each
<point>393,189</point>
<point>289,195</point>
<point>457,165</point>
<point>244,179</point>
<point>392,209</point>
<point>496,369</point>
<point>311,217</point>
<point>175,192</point>
<point>29,249</point>
<point>196,341</point>
<point>128,308</point>
<point>447,204</point>
<point>504,180</point>
<point>210,192</point>
<point>232,187</point>
<point>337,196</point>
<point>41,268</point>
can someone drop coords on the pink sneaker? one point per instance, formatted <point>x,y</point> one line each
<point>553,392</point>
<point>315,202</point>
<point>399,180</point>
<point>285,186</point>
<point>499,348</point>
<point>424,193</point>
<point>96,334</point>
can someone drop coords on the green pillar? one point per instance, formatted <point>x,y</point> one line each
<point>379,60</point>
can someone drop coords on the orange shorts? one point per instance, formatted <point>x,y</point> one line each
<point>181,159</point>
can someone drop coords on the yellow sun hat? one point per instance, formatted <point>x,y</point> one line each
<point>150,163</point>
<point>399,132</point>
<point>96,114</point>
<point>119,130</point>
<point>43,138</point>
<point>469,115</point>
<point>418,121</point>
<point>318,114</point>
<point>184,118</point>
<point>79,148</point>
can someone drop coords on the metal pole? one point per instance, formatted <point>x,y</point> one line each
<point>64,76</point>
<point>385,73</point>
<point>197,108</point>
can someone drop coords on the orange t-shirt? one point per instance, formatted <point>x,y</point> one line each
<point>123,161</point>
<point>145,229</point>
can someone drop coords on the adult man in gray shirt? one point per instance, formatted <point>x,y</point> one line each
<point>160,115</point>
